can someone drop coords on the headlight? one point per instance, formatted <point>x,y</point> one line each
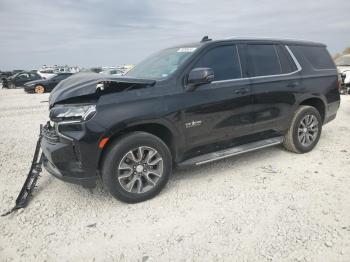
<point>72,112</point>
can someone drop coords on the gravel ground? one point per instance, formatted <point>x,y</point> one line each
<point>266,205</point>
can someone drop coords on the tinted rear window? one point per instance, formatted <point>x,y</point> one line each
<point>262,60</point>
<point>318,56</point>
<point>224,61</point>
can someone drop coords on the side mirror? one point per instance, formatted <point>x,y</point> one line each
<point>199,76</point>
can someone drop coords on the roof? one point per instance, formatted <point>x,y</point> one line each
<point>256,40</point>
<point>251,40</point>
<point>275,40</point>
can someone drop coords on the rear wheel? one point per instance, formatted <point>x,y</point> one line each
<point>136,167</point>
<point>39,89</point>
<point>304,131</point>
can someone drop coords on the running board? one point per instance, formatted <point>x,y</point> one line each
<point>233,151</point>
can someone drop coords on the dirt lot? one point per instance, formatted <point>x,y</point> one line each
<point>261,206</point>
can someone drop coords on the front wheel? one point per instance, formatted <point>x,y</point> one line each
<point>304,131</point>
<point>136,167</point>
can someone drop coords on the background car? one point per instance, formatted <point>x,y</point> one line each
<point>111,71</point>
<point>45,85</point>
<point>19,79</point>
<point>343,65</point>
<point>46,73</point>
<point>3,76</point>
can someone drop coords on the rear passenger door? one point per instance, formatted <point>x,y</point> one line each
<point>274,79</point>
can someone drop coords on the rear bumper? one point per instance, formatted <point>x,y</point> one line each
<point>331,111</point>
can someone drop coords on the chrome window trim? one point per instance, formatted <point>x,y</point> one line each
<point>239,60</point>
<point>299,68</point>
<point>294,59</point>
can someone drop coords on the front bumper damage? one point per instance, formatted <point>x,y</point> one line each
<point>62,154</point>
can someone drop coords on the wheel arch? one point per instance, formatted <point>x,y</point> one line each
<point>160,130</point>
<point>317,103</point>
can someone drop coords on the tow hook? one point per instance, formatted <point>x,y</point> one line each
<point>32,178</point>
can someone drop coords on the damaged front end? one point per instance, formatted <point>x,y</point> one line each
<point>85,86</point>
<point>64,144</point>
<point>73,157</point>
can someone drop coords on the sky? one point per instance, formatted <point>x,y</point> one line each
<point>112,32</point>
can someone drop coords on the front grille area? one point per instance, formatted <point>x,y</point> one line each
<point>50,134</point>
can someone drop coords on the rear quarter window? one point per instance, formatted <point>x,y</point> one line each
<point>318,57</point>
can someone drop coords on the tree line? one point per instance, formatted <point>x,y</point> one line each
<point>345,52</point>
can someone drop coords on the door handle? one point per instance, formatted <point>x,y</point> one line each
<point>241,91</point>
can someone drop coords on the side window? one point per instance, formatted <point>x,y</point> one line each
<point>287,63</point>
<point>224,61</point>
<point>262,60</point>
<point>23,76</point>
<point>318,57</point>
<point>33,76</point>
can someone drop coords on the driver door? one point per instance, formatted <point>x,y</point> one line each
<point>221,110</point>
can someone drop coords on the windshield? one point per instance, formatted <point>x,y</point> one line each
<point>162,64</point>
<point>343,61</point>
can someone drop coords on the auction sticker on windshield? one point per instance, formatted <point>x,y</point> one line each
<point>186,49</point>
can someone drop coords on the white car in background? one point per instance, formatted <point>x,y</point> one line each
<point>46,73</point>
<point>343,65</point>
<point>111,71</point>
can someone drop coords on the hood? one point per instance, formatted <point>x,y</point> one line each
<point>85,84</point>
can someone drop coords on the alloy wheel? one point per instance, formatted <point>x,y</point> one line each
<point>140,169</point>
<point>39,89</point>
<point>308,130</point>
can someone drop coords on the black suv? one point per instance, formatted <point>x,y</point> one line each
<point>188,105</point>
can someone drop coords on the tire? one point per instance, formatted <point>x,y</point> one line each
<point>118,162</point>
<point>39,89</point>
<point>293,139</point>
